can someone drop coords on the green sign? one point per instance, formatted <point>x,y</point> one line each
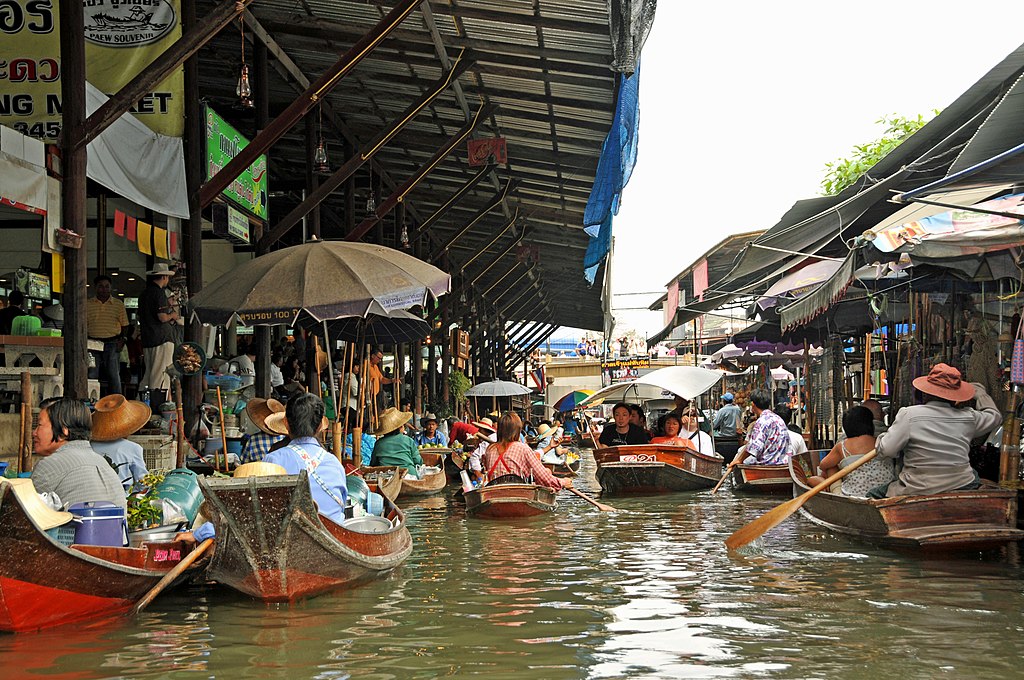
<point>223,142</point>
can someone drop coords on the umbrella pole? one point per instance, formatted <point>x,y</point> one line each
<point>336,426</point>
<point>357,431</point>
<point>346,391</point>
<point>319,368</point>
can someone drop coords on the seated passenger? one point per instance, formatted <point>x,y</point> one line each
<point>860,438</point>
<point>70,468</point>
<point>391,448</point>
<point>114,419</point>
<point>623,431</point>
<point>768,440</point>
<point>672,425</point>
<point>430,434</point>
<point>259,444</point>
<point>509,456</point>
<point>366,441</point>
<point>935,437</point>
<point>691,430</point>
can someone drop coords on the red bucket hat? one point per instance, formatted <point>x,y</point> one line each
<point>944,382</point>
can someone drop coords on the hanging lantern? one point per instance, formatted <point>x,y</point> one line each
<point>462,297</point>
<point>371,204</point>
<point>320,164</point>
<point>244,89</point>
<point>404,236</point>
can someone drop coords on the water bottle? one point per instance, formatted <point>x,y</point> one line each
<point>144,396</point>
<point>467,485</point>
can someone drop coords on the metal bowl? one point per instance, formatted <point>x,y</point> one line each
<point>370,524</point>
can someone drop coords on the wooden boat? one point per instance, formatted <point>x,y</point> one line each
<point>954,520</point>
<point>505,501</point>
<point>430,484</point>
<point>44,583</point>
<point>762,479</point>
<point>272,544</point>
<point>564,469</point>
<point>388,478</point>
<point>655,468</point>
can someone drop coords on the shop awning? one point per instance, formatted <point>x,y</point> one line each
<point>820,299</point>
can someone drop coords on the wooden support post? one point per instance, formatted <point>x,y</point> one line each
<point>446,355</point>
<point>1009,455</point>
<point>450,203</point>
<point>307,100</point>
<point>359,158</point>
<point>73,195</point>
<point>25,436</point>
<point>417,376</point>
<point>101,233</point>
<point>398,195</point>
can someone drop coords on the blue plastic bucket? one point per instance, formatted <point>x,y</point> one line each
<point>102,523</point>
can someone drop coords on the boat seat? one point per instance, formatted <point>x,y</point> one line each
<point>507,479</point>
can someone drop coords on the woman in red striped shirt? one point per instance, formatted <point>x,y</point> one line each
<point>512,457</point>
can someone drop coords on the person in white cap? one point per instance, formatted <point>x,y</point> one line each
<point>157,317</point>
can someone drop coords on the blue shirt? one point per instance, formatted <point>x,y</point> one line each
<point>367,442</point>
<point>438,438</point>
<point>126,457</point>
<point>330,472</point>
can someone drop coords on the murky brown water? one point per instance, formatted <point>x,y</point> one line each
<point>648,592</point>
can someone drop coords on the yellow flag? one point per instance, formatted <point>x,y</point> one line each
<point>57,267</point>
<point>160,243</point>
<point>145,236</point>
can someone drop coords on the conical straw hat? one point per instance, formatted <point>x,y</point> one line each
<point>117,417</point>
<point>258,409</point>
<point>391,420</point>
<point>277,423</point>
<point>43,515</point>
<point>259,469</point>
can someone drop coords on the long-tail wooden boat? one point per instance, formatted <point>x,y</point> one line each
<point>44,583</point>
<point>430,484</point>
<point>387,477</point>
<point>504,501</point>
<point>762,479</point>
<point>567,469</point>
<point>954,520</point>
<point>655,468</point>
<point>274,546</point>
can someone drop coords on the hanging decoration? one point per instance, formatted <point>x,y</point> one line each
<point>371,200</point>
<point>320,162</point>
<point>243,89</point>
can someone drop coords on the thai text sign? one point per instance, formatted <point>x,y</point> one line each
<point>620,370</point>
<point>121,38</point>
<point>223,142</point>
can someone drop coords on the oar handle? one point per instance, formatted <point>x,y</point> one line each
<point>600,506</point>
<point>170,576</point>
<point>728,471</point>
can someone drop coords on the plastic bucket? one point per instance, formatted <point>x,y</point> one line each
<point>181,486</point>
<point>374,503</point>
<point>102,523</point>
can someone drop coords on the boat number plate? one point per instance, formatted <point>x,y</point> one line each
<point>161,555</point>
<point>639,458</point>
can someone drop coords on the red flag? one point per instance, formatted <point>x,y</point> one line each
<point>174,243</point>
<point>119,223</point>
<point>131,228</point>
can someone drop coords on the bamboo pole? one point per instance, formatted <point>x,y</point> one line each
<point>357,431</point>
<point>1009,455</point>
<point>25,450</point>
<point>180,459</point>
<point>223,433</point>
<point>867,366</point>
<point>347,365</point>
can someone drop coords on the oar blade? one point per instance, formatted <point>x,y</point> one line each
<point>759,526</point>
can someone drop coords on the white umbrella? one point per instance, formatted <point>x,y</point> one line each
<point>685,381</point>
<point>730,351</point>
<point>498,388</point>
<point>781,374</point>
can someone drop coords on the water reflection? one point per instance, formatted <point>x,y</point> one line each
<point>646,592</point>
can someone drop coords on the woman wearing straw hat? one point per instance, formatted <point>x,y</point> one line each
<point>260,444</point>
<point>485,436</point>
<point>114,419</point>
<point>935,436</point>
<point>392,447</point>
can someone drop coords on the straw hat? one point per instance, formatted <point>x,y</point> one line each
<point>161,269</point>
<point>543,429</point>
<point>427,418</point>
<point>258,409</point>
<point>277,423</point>
<point>259,469</point>
<point>485,424</point>
<point>944,382</point>
<point>392,419</point>
<point>117,417</point>
<point>42,514</point>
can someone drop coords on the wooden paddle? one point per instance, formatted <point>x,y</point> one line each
<point>600,506</point>
<point>173,574</point>
<point>753,530</point>
<point>728,471</point>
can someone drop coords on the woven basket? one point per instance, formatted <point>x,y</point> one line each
<point>159,451</point>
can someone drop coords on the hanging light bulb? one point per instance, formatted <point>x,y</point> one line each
<point>371,200</point>
<point>462,297</point>
<point>243,90</point>
<point>320,163</point>
<point>472,310</point>
<point>404,237</point>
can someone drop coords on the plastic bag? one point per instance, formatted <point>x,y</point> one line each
<point>172,512</point>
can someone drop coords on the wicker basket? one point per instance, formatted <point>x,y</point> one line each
<point>159,451</point>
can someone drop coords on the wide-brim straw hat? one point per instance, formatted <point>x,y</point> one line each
<point>116,418</point>
<point>259,469</point>
<point>259,409</point>
<point>42,514</point>
<point>161,269</point>
<point>485,424</point>
<point>944,382</point>
<point>543,429</point>
<point>427,418</point>
<point>392,419</point>
<point>277,423</point>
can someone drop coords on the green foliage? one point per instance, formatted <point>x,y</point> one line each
<point>843,172</point>
<point>144,509</point>
<point>458,383</point>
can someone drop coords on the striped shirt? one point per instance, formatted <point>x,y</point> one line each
<point>518,459</point>
<point>105,319</point>
<point>77,474</point>
<point>258,446</point>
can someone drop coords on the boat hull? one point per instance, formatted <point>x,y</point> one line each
<point>429,485</point>
<point>654,468</point>
<point>762,479</point>
<point>387,478</point>
<point>955,520</point>
<point>273,546</point>
<point>44,584</point>
<point>507,501</point>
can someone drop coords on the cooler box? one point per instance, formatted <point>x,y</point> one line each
<point>181,486</point>
<point>102,523</point>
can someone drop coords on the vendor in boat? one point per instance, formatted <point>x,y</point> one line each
<point>392,448</point>
<point>486,435</point>
<point>935,436</point>
<point>462,431</point>
<point>672,425</point>
<point>70,469</point>
<point>509,456</point>
<point>727,419</point>
<point>114,419</point>
<point>622,432</point>
<point>547,447</point>
<point>260,444</point>
<point>768,441</point>
<point>430,435</point>
<point>691,430</point>
<point>860,438</point>
<point>796,438</point>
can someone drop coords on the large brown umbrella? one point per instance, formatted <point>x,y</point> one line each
<point>325,279</point>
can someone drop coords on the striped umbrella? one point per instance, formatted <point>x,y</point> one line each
<point>572,400</point>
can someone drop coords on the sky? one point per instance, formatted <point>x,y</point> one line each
<point>743,103</point>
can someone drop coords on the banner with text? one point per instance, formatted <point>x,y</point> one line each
<point>223,142</point>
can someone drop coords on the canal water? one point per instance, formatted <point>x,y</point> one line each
<point>646,592</point>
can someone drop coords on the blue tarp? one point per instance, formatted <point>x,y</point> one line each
<point>618,156</point>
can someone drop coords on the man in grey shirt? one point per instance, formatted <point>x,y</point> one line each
<point>935,436</point>
<point>727,418</point>
<point>70,468</point>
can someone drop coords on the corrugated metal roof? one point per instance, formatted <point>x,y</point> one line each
<point>555,107</point>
